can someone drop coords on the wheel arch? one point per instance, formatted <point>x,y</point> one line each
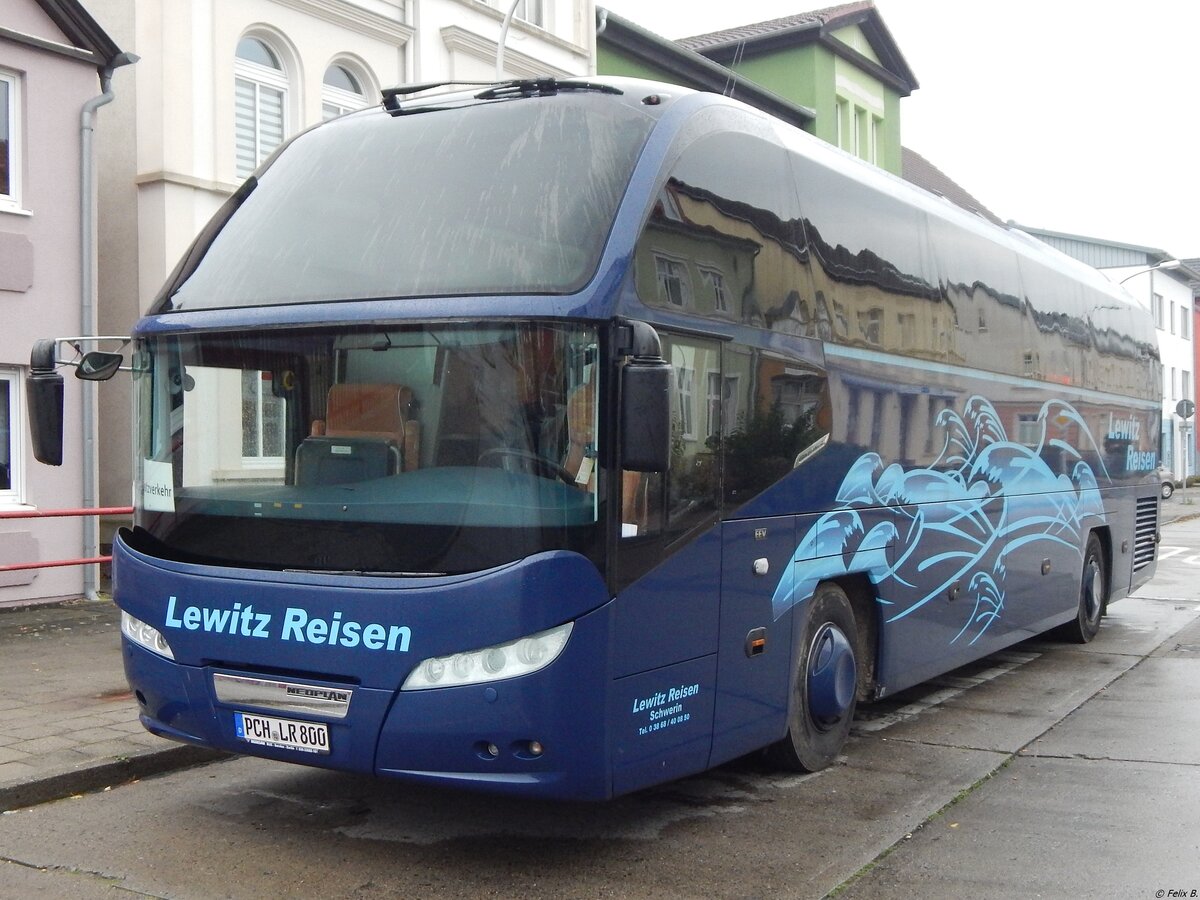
<point>1104,535</point>
<point>864,602</point>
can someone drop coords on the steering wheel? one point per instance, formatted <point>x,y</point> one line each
<point>513,459</point>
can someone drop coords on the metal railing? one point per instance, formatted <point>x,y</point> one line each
<point>62,514</point>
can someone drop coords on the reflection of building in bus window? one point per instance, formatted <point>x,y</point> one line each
<point>722,406</point>
<point>786,423</point>
<point>581,438</point>
<point>673,284</point>
<point>695,471</point>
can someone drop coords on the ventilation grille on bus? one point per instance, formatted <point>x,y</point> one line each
<point>1147,528</point>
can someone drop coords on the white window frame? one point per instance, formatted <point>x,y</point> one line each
<point>259,77</point>
<point>667,271</point>
<point>714,278</point>
<point>11,200</point>
<point>1185,326</point>
<point>844,115</point>
<point>531,11</point>
<point>13,495</point>
<point>721,403</point>
<point>259,459</point>
<point>338,101</point>
<point>870,324</point>
<point>1156,310</point>
<point>1028,429</point>
<point>685,390</point>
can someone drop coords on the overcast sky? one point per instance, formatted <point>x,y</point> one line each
<point>1071,115</point>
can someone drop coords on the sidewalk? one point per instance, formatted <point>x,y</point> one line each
<point>68,723</point>
<point>1180,507</point>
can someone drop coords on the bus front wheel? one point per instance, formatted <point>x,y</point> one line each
<point>821,706</point>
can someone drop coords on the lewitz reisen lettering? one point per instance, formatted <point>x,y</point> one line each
<point>297,626</point>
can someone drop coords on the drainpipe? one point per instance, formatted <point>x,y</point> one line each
<point>87,306</point>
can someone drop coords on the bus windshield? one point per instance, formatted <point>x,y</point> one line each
<point>513,197</point>
<point>384,449</point>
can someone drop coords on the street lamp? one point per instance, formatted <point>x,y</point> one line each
<point>1164,264</point>
<point>508,17</point>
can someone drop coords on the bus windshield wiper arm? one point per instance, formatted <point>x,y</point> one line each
<point>542,87</point>
<point>495,90</point>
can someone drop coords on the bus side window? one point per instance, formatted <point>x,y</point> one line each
<point>641,507</point>
<point>785,423</point>
<point>692,483</point>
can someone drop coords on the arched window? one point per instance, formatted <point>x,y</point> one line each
<point>260,101</point>
<point>341,92</point>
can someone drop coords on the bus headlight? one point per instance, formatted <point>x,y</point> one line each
<point>519,657</point>
<point>145,635</point>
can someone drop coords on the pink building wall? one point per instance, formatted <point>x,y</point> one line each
<point>40,247</point>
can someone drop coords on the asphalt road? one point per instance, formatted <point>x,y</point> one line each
<point>1046,770</point>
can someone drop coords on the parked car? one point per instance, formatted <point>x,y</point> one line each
<point>1167,479</point>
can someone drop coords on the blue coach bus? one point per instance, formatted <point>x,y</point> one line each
<point>565,438</point>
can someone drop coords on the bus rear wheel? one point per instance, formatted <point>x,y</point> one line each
<point>1093,592</point>
<point>821,707</point>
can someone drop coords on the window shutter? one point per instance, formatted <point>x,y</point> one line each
<point>258,123</point>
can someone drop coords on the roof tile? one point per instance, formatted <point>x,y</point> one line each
<point>797,21</point>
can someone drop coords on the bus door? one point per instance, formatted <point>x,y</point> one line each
<point>667,584</point>
<point>754,650</point>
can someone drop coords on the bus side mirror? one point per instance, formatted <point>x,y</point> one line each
<point>645,442</point>
<point>44,392</point>
<point>98,365</point>
<point>646,415</point>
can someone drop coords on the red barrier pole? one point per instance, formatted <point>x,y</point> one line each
<point>17,567</point>
<point>60,513</point>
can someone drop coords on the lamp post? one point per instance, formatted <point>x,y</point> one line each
<point>508,17</point>
<point>1165,264</point>
<point>1185,409</point>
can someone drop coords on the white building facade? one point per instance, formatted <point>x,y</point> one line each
<point>1167,294</point>
<point>222,83</point>
<point>1162,287</point>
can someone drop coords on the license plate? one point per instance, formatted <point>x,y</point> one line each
<point>310,737</point>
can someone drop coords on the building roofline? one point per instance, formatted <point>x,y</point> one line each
<point>78,26</point>
<point>1185,272</point>
<point>659,52</point>
<point>1160,254</point>
<point>817,26</point>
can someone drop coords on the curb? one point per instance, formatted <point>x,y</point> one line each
<point>97,777</point>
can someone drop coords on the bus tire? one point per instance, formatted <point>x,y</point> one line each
<point>821,705</point>
<point>1093,592</point>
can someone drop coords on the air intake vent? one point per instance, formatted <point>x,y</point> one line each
<point>1147,528</point>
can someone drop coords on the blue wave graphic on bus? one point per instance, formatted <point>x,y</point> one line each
<point>955,524</point>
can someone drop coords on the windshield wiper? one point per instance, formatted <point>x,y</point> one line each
<point>392,95</point>
<point>542,87</point>
<point>495,90</point>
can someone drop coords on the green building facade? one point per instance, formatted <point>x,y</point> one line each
<point>837,73</point>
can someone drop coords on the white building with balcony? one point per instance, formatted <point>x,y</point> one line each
<point>222,83</point>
